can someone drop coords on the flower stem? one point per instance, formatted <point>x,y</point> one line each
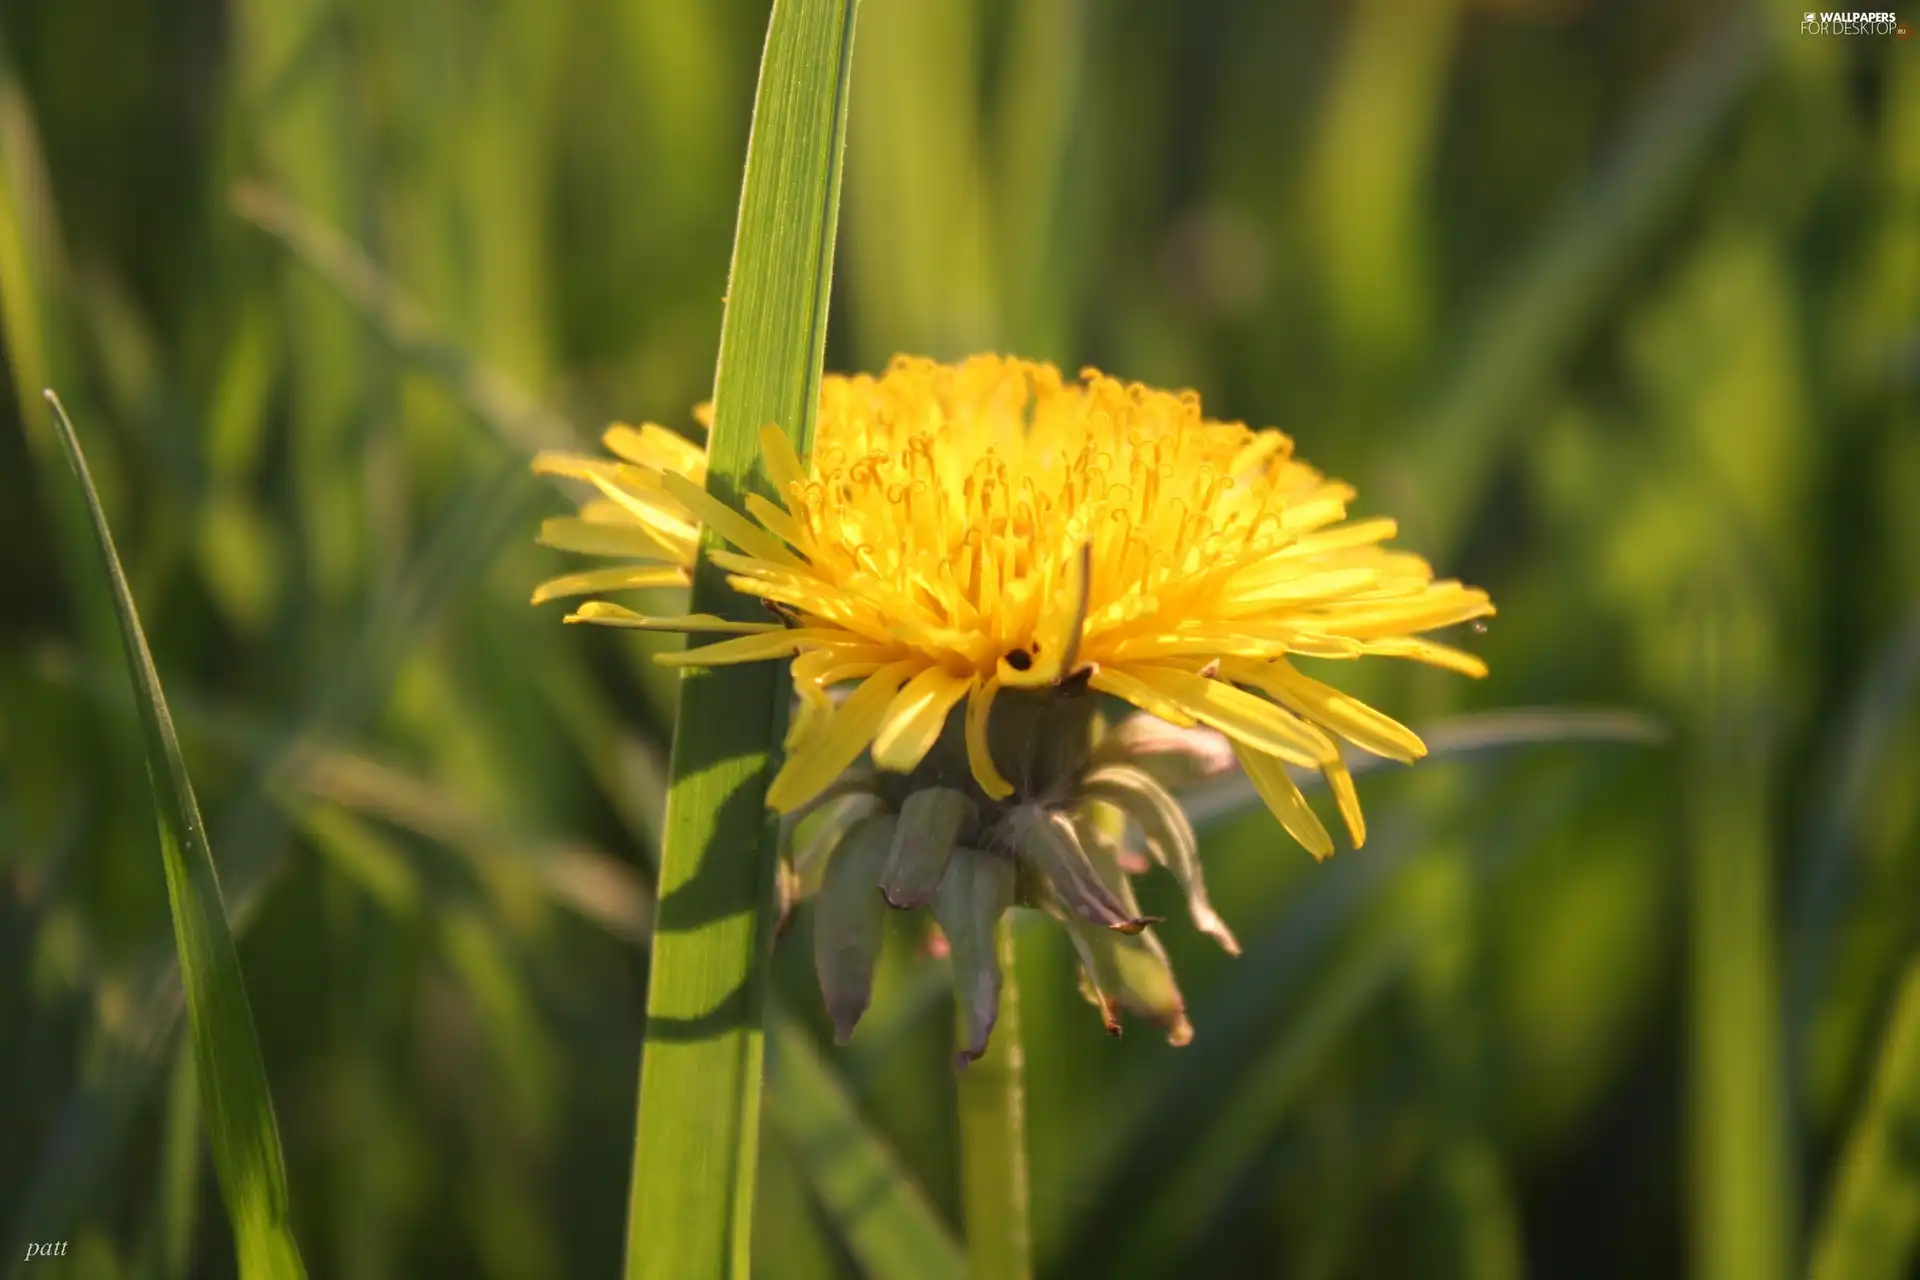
<point>993,1140</point>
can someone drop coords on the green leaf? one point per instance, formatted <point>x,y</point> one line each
<point>1872,1217</point>
<point>233,1080</point>
<point>879,1209</point>
<point>92,1122</point>
<point>691,1208</point>
<point>176,1195</point>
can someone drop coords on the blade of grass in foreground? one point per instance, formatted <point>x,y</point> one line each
<point>691,1208</point>
<point>233,1080</point>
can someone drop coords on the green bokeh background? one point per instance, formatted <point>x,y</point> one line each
<point>1616,306</point>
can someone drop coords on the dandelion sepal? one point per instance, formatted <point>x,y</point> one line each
<point>973,896</point>
<point>849,921</point>
<point>1169,838</point>
<point>932,821</point>
<point>1124,972</point>
<point>811,836</point>
<point>1048,842</point>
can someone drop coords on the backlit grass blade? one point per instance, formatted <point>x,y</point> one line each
<point>880,1211</point>
<point>294,98</point>
<point>1872,1218</point>
<point>176,1193</point>
<point>233,1081</point>
<point>691,1209</point>
<point>92,1122</point>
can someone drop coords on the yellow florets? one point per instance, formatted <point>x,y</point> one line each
<point>964,529</point>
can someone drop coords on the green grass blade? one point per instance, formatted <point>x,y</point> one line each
<point>1369,164</point>
<point>1864,736</point>
<point>238,1108</point>
<point>177,1197</point>
<point>691,1208</point>
<point>1872,1217</point>
<point>93,1121</point>
<point>879,1210</point>
<point>293,99</point>
<point>1744,1212</point>
<point>784,1209</point>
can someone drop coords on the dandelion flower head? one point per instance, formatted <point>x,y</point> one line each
<point>966,531</point>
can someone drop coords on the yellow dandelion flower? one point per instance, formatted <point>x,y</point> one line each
<point>972,528</point>
<point>974,547</point>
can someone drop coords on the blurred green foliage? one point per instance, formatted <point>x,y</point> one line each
<point>1616,306</point>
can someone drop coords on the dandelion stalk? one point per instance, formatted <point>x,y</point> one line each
<point>993,1139</point>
